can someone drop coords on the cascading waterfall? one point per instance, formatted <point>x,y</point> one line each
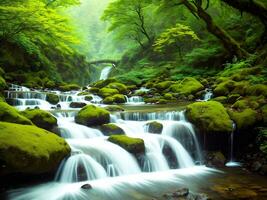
<point>105,72</point>
<point>208,94</point>
<point>135,100</point>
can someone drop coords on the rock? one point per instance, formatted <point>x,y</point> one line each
<point>107,92</point>
<point>224,88</point>
<point>187,86</point>
<point>245,103</point>
<point>210,117</point>
<point>154,127</point>
<point>88,98</point>
<point>119,86</point>
<point>83,93</point>
<point>215,159</point>
<point>91,115</point>
<point>257,90</point>
<point>69,87</point>
<point>77,104</point>
<point>133,145</point>
<point>244,119</point>
<point>163,85</point>
<point>168,96</point>
<point>221,99</point>
<point>233,98</point>
<point>30,150</point>
<point>240,88</point>
<point>162,101</point>
<point>41,118</point>
<point>114,108</point>
<point>52,98</point>
<point>104,83</point>
<point>117,98</point>
<point>58,106</point>
<point>256,166</point>
<point>12,115</point>
<point>111,129</point>
<point>94,90</point>
<point>86,187</point>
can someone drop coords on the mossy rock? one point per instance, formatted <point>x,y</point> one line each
<point>91,115</point>
<point>163,85</point>
<point>257,90</point>
<point>119,86</point>
<point>244,119</point>
<point>83,93</point>
<point>3,84</point>
<point>114,108</point>
<point>132,145</point>
<point>224,88</point>
<point>52,98</point>
<point>221,99</point>
<point>111,129</point>
<point>152,100</point>
<point>117,98</point>
<point>245,103</point>
<point>12,115</point>
<point>77,104</point>
<point>88,98</point>
<point>29,149</point>
<point>210,117</point>
<point>107,92</point>
<point>162,101</point>
<point>69,87</point>
<point>94,90</point>
<point>240,88</point>
<point>154,127</point>
<point>233,98</point>
<point>103,83</point>
<point>187,86</point>
<point>41,118</point>
<point>168,96</point>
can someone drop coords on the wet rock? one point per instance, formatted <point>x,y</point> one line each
<point>86,187</point>
<point>77,104</point>
<point>111,129</point>
<point>154,127</point>
<point>256,166</point>
<point>215,159</point>
<point>58,106</point>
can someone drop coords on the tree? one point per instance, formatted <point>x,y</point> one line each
<point>229,43</point>
<point>178,36</point>
<point>129,17</point>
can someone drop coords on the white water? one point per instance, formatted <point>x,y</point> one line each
<point>105,72</point>
<point>208,95</point>
<point>135,100</point>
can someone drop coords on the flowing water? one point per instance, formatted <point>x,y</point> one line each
<point>105,72</point>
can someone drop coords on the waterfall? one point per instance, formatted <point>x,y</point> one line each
<point>208,94</point>
<point>105,72</point>
<point>135,100</point>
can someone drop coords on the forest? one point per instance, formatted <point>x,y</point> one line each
<point>133,99</point>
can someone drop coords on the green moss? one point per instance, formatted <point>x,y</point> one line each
<point>12,115</point>
<point>117,98</point>
<point>28,149</point>
<point>163,85</point>
<point>245,103</point>
<point>111,129</point>
<point>168,96</point>
<point>91,115</point>
<point>224,88</point>
<point>103,83</point>
<point>3,84</point>
<point>257,90</point>
<point>119,86</point>
<point>244,119</point>
<point>233,98</point>
<point>105,92</point>
<point>83,93</point>
<point>154,127</point>
<point>114,108</point>
<point>221,99</point>
<point>209,117</point>
<point>162,101</point>
<point>187,86</point>
<point>52,98</point>
<point>41,118</point>
<point>88,98</point>
<point>69,87</point>
<point>94,90</point>
<point>132,145</point>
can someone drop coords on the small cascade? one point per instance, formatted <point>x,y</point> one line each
<point>144,116</point>
<point>135,100</point>
<point>13,87</point>
<point>232,163</point>
<point>208,94</point>
<point>96,99</point>
<point>105,72</point>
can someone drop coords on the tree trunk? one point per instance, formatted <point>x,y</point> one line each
<point>229,43</point>
<point>253,7</point>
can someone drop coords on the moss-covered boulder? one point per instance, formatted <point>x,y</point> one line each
<point>224,88</point>
<point>119,86</point>
<point>244,119</point>
<point>169,96</point>
<point>257,90</point>
<point>240,88</point>
<point>41,118</point>
<point>106,92</point>
<point>77,104</point>
<point>52,98</point>
<point>69,87</point>
<point>154,127</point>
<point>117,98</point>
<point>132,145</point>
<point>103,83</point>
<point>91,115</point>
<point>245,103</point>
<point>163,85</point>
<point>187,86</point>
<point>29,149</point>
<point>210,117</point>
<point>12,115</point>
<point>111,129</point>
<point>94,90</point>
<point>221,99</point>
<point>84,93</point>
<point>114,108</point>
<point>88,98</point>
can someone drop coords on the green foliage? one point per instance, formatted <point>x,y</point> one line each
<point>30,150</point>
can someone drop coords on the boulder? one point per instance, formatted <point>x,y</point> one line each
<point>221,99</point>
<point>12,115</point>
<point>114,108</point>
<point>106,92</point>
<point>244,119</point>
<point>154,127</point>
<point>119,86</point>
<point>52,98</point>
<point>215,159</point>
<point>210,117</point>
<point>77,104</point>
<point>103,83</point>
<point>91,115</point>
<point>30,150</point>
<point>257,90</point>
<point>132,145</point>
<point>163,85</point>
<point>187,86</point>
<point>88,98</point>
<point>233,98</point>
<point>224,88</point>
<point>69,87</point>
<point>111,129</point>
<point>41,118</point>
<point>117,98</point>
